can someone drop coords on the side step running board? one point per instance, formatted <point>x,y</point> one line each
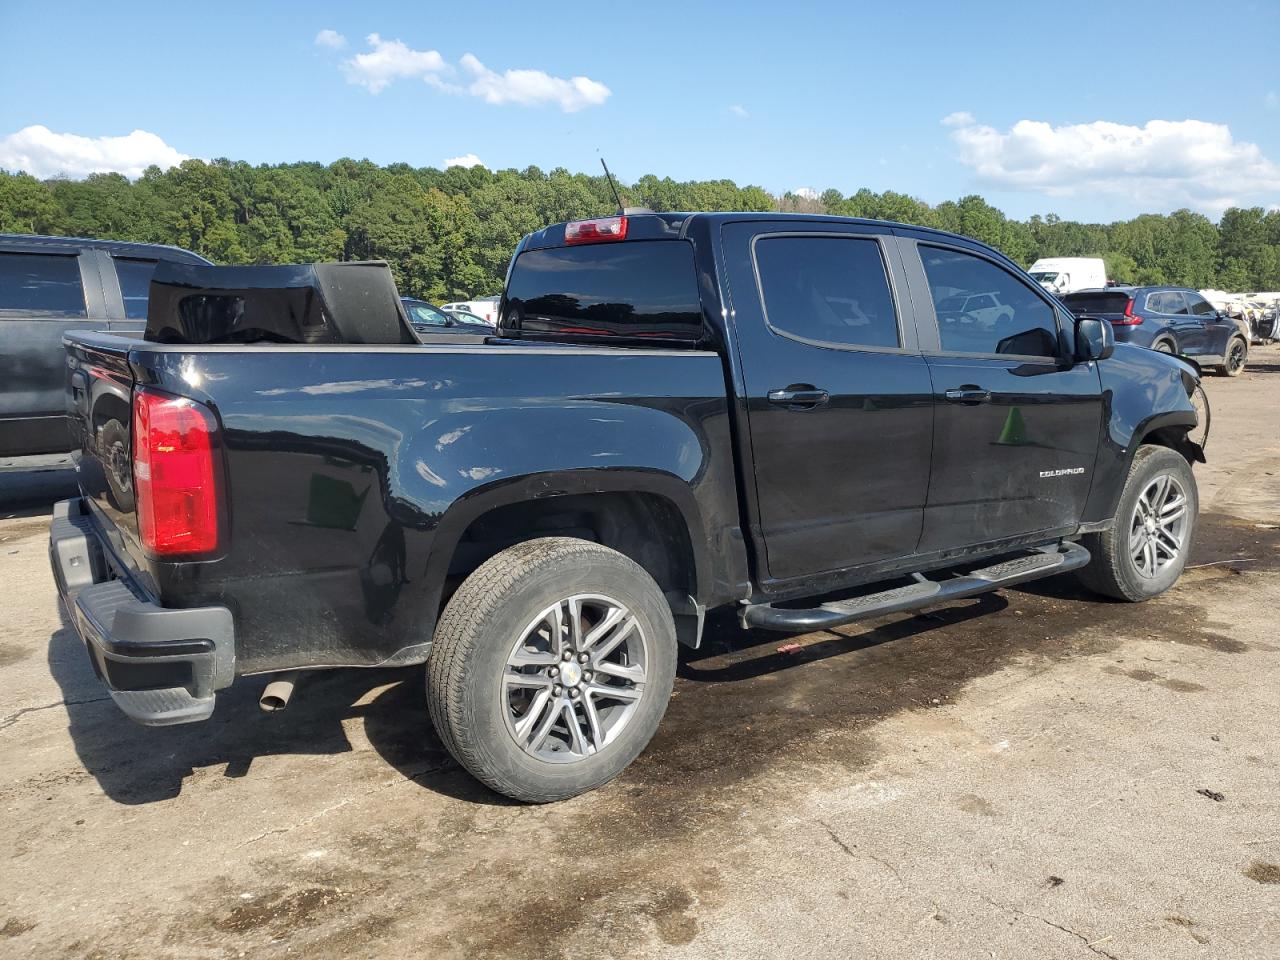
<point>1045,562</point>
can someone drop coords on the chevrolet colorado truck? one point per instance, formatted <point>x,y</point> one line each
<point>680,412</point>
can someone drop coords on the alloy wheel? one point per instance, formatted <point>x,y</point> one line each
<point>1235,356</point>
<point>1158,528</point>
<point>574,678</point>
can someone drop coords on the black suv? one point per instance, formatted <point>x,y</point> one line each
<point>49,285</point>
<point>1168,319</point>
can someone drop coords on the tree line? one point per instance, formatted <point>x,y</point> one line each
<point>449,234</point>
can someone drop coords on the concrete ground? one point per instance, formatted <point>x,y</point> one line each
<point>1035,773</point>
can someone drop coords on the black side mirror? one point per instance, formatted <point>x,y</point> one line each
<point>1095,340</point>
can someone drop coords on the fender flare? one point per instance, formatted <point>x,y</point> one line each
<point>548,485</point>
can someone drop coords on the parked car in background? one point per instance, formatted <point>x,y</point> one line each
<point>1170,320</point>
<point>471,320</point>
<point>1067,274</point>
<point>49,285</point>
<point>428,318</point>
<point>983,309</point>
<point>486,308</point>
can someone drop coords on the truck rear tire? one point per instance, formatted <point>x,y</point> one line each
<point>551,668</point>
<point>1144,552</point>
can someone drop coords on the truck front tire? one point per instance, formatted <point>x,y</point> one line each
<point>1145,551</point>
<point>551,668</point>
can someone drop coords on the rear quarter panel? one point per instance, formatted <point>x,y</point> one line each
<point>351,472</point>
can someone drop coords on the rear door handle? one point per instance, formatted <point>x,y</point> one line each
<point>805,397</point>
<point>969,394</point>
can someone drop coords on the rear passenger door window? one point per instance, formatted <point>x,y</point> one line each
<point>985,310</point>
<point>40,285</point>
<point>827,291</point>
<point>1169,302</point>
<point>135,285</point>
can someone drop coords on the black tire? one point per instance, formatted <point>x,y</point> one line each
<point>1237,357</point>
<point>1113,570</point>
<point>490,614</point>
<point>1164,346</point>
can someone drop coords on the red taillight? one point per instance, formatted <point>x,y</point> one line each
<point>596,231</point>
<point>174,479</point>
<point>1131,319</point>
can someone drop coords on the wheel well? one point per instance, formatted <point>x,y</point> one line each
<point>646,527</point>
<point>1177,439</point>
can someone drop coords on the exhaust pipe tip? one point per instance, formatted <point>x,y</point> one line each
<point>276,695</point>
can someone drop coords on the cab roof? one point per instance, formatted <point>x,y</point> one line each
<point>675,226</point>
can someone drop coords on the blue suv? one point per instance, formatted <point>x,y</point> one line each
<point>1168,319</point>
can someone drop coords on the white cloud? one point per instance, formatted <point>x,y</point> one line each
<point>391,60</point>
<point>533,87</point>
<point>738,110</point>
<point>42,153</point>
<point>1165,163</point>
<point>331,39</point>
<point>466,160</point>
<point>806,193</point>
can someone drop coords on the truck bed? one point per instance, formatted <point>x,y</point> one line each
<point>354,476</point>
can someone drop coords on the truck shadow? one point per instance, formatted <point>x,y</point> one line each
<point>741,701</point>
<point>139,765</point>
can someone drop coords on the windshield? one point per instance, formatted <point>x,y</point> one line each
<point>1041,276</point>
<point>952,304</point>
<point>469,318</point>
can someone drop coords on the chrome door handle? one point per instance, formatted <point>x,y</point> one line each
<point>968,394</point>
<point>806,397</point>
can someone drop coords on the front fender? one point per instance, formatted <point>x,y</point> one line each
<point>1143,392</point>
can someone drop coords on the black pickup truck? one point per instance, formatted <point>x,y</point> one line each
<point>680,412</point>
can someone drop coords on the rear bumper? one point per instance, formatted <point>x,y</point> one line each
<point>161,665</point>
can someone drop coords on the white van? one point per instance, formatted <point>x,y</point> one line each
<point>1068,274</point>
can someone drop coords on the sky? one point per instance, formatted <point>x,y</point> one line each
<point>1093,111</point>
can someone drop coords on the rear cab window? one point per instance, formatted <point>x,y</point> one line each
<point>631,289</point>
<point>40,285</point>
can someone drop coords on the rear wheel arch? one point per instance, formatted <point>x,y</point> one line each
<point>647,516</point>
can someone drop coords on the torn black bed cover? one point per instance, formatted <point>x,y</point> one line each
<point>353,302</point>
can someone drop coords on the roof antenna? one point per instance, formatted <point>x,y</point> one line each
<point>614,187</point>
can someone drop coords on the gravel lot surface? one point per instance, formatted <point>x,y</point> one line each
<point>1032,774</point>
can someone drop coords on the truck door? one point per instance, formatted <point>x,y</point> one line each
<point>837,394</point>
<point>1017,425</point>
<point>44,292</point>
